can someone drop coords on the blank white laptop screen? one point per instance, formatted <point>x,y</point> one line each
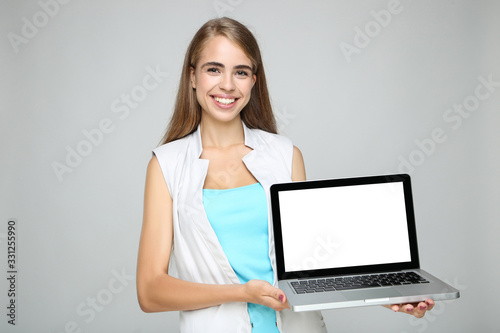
<point>344,226</point>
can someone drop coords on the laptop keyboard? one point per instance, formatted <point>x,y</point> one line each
<point>357,282</point>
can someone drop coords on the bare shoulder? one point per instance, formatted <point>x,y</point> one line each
<point>154,166</point>
<point>154,175</point>
<point>298,167</point>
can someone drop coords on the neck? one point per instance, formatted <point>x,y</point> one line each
<point>221,135</point>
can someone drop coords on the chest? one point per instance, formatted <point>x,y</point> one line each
<point>226,168</point>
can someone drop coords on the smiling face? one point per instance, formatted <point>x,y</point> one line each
<point>223,80</point>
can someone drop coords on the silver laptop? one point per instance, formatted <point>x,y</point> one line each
<point>350,242</point>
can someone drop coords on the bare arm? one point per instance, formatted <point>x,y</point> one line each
<point>298,168</point>
<point>156,289</point>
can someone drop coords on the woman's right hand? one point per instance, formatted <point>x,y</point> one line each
<point>261,292</point>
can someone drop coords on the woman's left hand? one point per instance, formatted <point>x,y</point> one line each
<point>416,309</point>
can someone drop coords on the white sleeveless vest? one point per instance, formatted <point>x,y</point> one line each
<point>197,253</point>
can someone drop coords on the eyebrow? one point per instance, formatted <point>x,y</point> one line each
<point>218,64</point>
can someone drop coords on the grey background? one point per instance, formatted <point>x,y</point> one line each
<point>354,118</point>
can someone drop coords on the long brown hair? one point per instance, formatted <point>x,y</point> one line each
<point>187,111</point>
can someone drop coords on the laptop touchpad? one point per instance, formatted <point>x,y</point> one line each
<point>352,295</point>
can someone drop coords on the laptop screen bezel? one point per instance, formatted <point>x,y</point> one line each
<point>291,186</point>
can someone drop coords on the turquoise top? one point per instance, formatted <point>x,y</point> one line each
<point>239,218</point>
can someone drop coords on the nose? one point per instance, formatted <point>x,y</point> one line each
<point>227,82</point>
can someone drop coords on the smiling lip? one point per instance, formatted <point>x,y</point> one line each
<point>225,102</point>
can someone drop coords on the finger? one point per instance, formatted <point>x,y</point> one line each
<point>283,299</point>
<point>276,304</point>
<point>395,307</point>
<point>407,308</point>
<point>420,310</point>
<point>278,299</point>
<point>430,304</point>
<point>285,302</point>
<point>277,294</point>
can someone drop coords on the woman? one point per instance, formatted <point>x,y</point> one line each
<point>207,192</point>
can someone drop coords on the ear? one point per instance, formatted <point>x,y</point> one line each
<point>254,78</point>
<point>193,77</point>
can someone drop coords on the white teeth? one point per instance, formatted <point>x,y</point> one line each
<point>224,100</point>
